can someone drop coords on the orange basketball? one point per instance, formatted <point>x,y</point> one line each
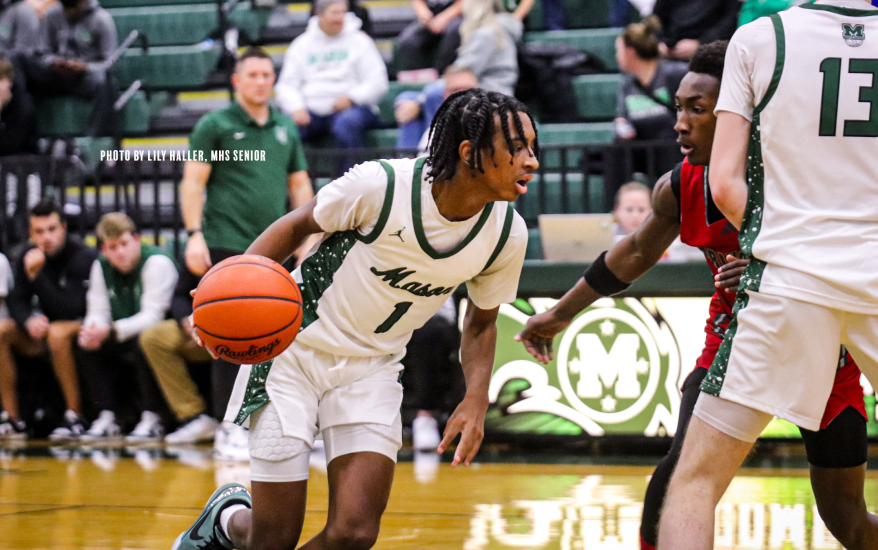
<point>247,309</point>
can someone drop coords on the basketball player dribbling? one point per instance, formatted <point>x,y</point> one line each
<point>401,235</point>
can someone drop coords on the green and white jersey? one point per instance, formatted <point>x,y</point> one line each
<point>808,80</point>
<point>390,260</point>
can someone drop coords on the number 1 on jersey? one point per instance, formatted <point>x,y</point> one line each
<point>398,311</point>
<point>831,69</point>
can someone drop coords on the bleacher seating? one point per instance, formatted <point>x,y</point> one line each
<point>169,67</point>
<point>68,116</point>
<point>385,106</point>
<point>596,96</point>
<point>578,199</point>
<point>534,245</point>
<point>182,24</point>
<point>578,15</point>
<point>185,49</point>
<point>601,42</point>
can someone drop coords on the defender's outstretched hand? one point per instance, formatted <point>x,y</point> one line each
<point>538,334</point>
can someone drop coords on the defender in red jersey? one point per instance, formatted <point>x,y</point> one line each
<point>682,206</point>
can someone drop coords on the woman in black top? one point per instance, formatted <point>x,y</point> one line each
<point>645,107</point>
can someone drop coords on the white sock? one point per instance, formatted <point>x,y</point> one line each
<point>226,515</point>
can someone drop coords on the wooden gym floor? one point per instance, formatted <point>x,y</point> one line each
<point>141,498</point>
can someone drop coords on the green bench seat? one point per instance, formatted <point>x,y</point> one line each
<point>68,116</point>
<point>176,25</point>
<point>168,67</point>
<point>601,42</point>
<point>385,106</point>
<point>578,14</point>
<point>528,205</point>
<point>596,96</point>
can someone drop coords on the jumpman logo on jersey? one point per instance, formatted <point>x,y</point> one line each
<point>397,234</point>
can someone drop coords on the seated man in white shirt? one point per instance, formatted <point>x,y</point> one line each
<point>130,289</point>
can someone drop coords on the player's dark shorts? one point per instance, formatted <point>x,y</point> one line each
<point>847,391</point>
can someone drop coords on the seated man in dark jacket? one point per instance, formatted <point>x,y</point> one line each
<point>56,271</point>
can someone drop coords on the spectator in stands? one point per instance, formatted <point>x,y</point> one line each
<point>55,271</point>
<point>18,117</point>
<point>130,290</point>
<point>488,49</point>
<point>358,10</point>
<point>488,59</point>
<point>645,108</point>
<point>688,23</point>
<point>432,40</point>
<point>518,9</point>
<point>79,37</point>
<point>633,205</point>
<point>169,347</point>
<point>20,27</point>
<point>415,110</point>
<point>226,205</point>
<point>332,79</point>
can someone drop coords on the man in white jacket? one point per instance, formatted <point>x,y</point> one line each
<point>332,78</point>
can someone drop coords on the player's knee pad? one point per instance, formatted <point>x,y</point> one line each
<point>275,457</point>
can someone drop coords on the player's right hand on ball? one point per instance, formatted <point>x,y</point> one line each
<point>189,326</point>
<point>538,334</point>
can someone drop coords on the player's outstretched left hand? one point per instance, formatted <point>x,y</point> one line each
<point>468,420</point>
<point>538,334</point>
<point>729,276</point>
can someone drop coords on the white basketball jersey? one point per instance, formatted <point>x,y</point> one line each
<point>812,172</point>
<point>365,293</point>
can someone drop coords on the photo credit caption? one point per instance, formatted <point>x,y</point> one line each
<point>234,155</point>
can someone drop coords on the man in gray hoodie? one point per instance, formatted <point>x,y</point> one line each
<point>78,38</point>
<point>332,78</point>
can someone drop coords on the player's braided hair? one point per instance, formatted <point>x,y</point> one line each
<point>709,59</point>
<point>469,115</point>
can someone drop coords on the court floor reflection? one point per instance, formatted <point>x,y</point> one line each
<point>142,497</point>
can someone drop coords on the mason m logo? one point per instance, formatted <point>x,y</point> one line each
<point>854,35</point>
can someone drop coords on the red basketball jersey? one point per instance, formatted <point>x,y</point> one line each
<point>702,224</point>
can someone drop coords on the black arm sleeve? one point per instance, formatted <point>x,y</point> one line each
<point>19,300</point>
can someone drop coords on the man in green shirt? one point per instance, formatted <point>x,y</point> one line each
<point>254,161</point>
<point>243,197</point>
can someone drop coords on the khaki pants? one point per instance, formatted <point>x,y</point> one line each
<point>167,349</point>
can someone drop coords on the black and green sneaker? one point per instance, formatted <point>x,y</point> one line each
<point>205,533</point>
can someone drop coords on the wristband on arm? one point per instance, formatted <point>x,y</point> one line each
<point>602,280</point>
